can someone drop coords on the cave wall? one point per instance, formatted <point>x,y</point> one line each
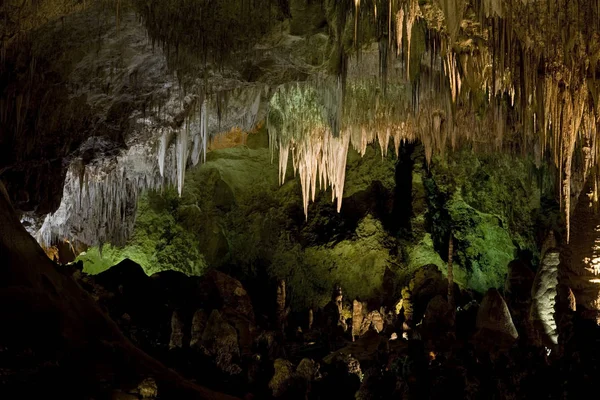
<point>396,216</point>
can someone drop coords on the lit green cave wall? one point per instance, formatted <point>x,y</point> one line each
<point>497,207</point>
<point>160,240</point>
<point>234,216</point>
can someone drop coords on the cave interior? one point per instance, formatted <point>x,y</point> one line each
<point>299,199</point>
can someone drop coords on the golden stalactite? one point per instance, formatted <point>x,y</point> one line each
<point>412,13</point>
<point>399,29</point>
<point>574,107</point>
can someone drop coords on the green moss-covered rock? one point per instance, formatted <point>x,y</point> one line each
<point>396,217</point>
<point>160,240</point>
<point>233,214</point>
<point>423,253</point>
<point>484,247</point>
<point>358,264</point>
<point>494,205</point>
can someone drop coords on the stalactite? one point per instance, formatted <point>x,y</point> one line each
<point>182,156</point>
<point>99,199</point>
<point>451,70</point>
<point>356,15</point>
<point>453,12</point>
<point>539,83</point>
<point>572,114</point>
<point>201,136</point>
<point>412,13</point>
<point>399,29</point>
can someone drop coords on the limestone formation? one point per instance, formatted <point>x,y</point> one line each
<point>517,292</point>
<point>220,340</point>
<point>199,321</point>
<point>281,378</point>
<point>407,306</point>
<point>308,370</point>
<point>543,295</point>
<point>352,365</point>
<point>495,327</point>
<point>281,313</point>
<point>373,320</point>
<point>438,316</point>
<point>426,283</point>
<point>334,311</point>
<point>357,318</point>
<point>177,331</point>
<point>572,301</point>
<point>228,294</point>
<point>549,243</point>
<point>147,389</point>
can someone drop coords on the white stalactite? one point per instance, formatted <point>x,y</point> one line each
<point>99,199</point>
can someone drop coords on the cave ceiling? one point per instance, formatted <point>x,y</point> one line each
<point>103,99</point>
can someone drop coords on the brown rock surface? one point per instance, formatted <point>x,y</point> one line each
<point>51,314</point>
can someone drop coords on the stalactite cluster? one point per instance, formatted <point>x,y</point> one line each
<point>493,74</point>
<point>100,198</point>
<point>529,60</point>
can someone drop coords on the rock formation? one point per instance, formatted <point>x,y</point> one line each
<point>543,295</point>
<point>281,312</point>
<point>68,318</point>
<point>517,292</point>
<point>495,328</point>
<point>438,317</point>
<point>220,340</point>
<point>199,321</point>
<point>357,318</point>
<point>177,331</point>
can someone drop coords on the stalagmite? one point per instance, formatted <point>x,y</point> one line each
<point>543,294</point>
<point>198,325</point>
<point>495,327</point>
<point>281,312</point>
<point>177,327</point>
<point>357,318</point>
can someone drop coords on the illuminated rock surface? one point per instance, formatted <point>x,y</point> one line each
<point>194,155</point>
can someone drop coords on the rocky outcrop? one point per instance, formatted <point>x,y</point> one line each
<point>373,320</point>
<point>51,314</point>
<point>281,379</point>
<point>438,318</point>
<point>427,283</point>
<point>220,291</point>
<point>220,341</point>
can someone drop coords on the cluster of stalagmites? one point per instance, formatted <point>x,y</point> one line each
<point>193,323</point>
